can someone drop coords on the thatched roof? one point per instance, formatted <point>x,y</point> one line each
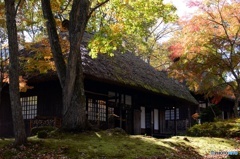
<point>130,70</point>
<point>125,69</point>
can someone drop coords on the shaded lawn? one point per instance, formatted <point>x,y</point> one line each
<point>112,144</point>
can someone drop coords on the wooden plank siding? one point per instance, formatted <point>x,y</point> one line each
<point>6,125</point>
<point>128,117</point>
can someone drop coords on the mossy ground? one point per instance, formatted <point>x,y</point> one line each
<point>111,144</point>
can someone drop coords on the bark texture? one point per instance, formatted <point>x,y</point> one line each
<point>74,87</point>
<point>54,41</point>
<point>18,123</point>
<point>70,75</point>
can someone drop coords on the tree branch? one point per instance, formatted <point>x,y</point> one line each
<point>19,2</point>
<point>65,8</point>
<point>54,41</point>
<point>96,7</point>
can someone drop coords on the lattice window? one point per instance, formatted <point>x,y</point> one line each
<point>29,107</point>
<point>169,114</point>
<point>102,110</point>
<point>96,110</point>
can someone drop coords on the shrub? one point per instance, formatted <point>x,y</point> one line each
<point>215,129</point>
<point>47,129</point>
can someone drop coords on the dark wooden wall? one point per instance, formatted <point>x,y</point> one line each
<point>6,127</point>
<point>49,101</point>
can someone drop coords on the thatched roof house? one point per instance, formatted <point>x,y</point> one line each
<point>141,98</point>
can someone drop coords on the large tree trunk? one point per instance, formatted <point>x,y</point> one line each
<point>70,76</point>
<point>74,116</point>
<point>73,98</point>
<point>18,123</point>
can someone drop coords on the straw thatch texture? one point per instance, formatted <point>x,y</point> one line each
<point>130,70</point>
<point>126,69</point>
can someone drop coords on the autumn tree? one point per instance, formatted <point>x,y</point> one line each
<point>136,26</point>
<point>30,21</point>
<point>159,58</point>
<point>154,44</point>
<point>208,48</point>
<point>119,21</point>
<point>19,128</point>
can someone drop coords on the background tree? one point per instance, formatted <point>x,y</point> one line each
<point>159,58</point>
<point>120,20</point>
<point>208,47</point>
<point>153,45</point>
<point>134,26</point>
<point>19,128</point>
<point>30,21</point>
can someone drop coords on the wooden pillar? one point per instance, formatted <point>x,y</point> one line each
<point>175,121</point>
<point>120,109</point>
<point>107,113</point>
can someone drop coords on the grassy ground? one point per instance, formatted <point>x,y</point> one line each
<point>115,144</point>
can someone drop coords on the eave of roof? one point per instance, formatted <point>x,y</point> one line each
<point>129,70</point>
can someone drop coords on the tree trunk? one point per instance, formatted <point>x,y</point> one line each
<point>54,41</point>
<point>70,76</point>
<point>74,116</point>
<point>74,105</point>
<point>18,123</point>
<point>236,104</point>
